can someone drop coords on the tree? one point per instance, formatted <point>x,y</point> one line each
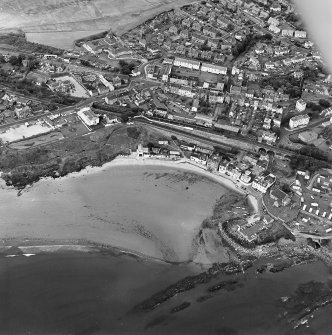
<point>324,103</point>
<point>125,67</point>
<point>286,188</point>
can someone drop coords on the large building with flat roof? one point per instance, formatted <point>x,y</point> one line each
<point>88,116</point>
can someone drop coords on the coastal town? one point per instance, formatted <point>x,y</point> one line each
<point>234,94</point>
<point>235,88</point>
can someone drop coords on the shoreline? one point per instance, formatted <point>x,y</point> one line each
<point>84,243</point>
<point>30,247</point>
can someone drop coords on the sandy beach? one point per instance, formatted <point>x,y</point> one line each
<point>150,207</point>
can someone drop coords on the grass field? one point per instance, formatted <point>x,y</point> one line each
<point>78,16</point>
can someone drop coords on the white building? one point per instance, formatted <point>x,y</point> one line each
<point>269,137</point>
<point>88,48</point>
<point>186,91</point>
<point>301,105</point>
<point>206,67</point>
<point>106,82</point>
<point>274,29</point>
<point>299,120</point>
<point>273,21</point>
<point>188,63</point>
<point>262,184</point>
<point>287,32</point>
<point>300,34</point>
<point>88,116</point>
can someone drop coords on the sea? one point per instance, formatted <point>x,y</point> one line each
<point>95,293</point>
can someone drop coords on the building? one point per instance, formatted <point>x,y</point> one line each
<point>197,26</point>
<point>223,23</point>
<point>211,68</point>
<point>273,21</point>
<point>301,105</point>
<point>287,32</point>
<point>275,7</point>
<point>88,116</point>
<point>263,183</point>
<point>198,38</point>
<point>269,137</point>
<point>300,34</point>
<point>106,83</point>
<point>280,198</point>
<point>274,29</point>
<point>166,72</point>
<point>184,33</point>
<point>173,30</point>
<point>299,120</point>
<point>188,63</point>
<point>210,32</point>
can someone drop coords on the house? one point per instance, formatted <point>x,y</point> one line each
<point>174,154</point>
<point>22,113</point>
<point>142,42</point>
<point>235,89</point>
<point>263,14</point>
<point>280,51</point>
<point>179,81</point>
<point>199,158</point>
<point>215,97</point>
<point>213,43</point>
<point>207,120</point>
<point>197,38</point>
<point>275,7</point>
<point>300,105</point>
<point>166,72</point>
<point>116,81</point>
<point>246,177</point>
<point>186,22</point>
<point>299,120</point>
<point>168,45</point>
<point>188,63</point>
<point>263,183</point>
<point>273,21</point>
<point>206,54</point>
<point>274,29</point>
<point>222,22</point>
<point>173,30</point>
<point>300,34</point>
<point>88,116</point>
<point>193,53</point>
<point>180,50</point>
<point>184,34</point>
<point>287,32</point>
<point>197,26</point>
<point>210,32</point>
<point>269,65</point>
<point>195,105</point>
<point>269,137</point>
<point>280,198</point>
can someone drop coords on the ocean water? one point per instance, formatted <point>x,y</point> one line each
<point>81,293</point>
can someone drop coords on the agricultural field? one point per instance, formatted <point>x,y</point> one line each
<point>77,17</point>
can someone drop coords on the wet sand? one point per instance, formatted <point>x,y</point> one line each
<point>152,210</point>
